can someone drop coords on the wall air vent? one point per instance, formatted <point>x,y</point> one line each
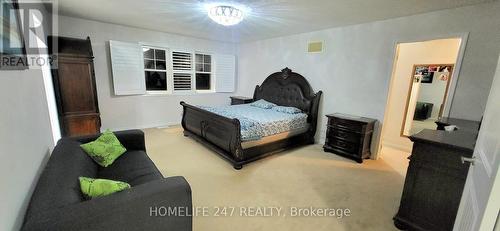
<point>315,47</point>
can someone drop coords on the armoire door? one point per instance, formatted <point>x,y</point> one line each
<point>75,88</point>
<point>79,113</point>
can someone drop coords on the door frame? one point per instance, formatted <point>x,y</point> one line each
<point>410,88</point>
<point>464,36</point>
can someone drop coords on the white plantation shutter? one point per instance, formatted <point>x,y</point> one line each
<point>182,70</point>
<point>181,61</point>
<point>182,81</point>
<point>225,73</point>
<point>127,67</point>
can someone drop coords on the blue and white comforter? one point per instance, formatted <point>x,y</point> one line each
<point>258,122</point>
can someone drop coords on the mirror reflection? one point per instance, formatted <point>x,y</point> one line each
<point>427,97</point>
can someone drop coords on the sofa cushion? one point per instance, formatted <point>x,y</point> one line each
<point>133,167</point>
<point>58,185</point>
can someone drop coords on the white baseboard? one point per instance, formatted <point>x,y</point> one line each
<point>146,126</point>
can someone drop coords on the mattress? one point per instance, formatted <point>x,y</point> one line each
<point>257,123</point>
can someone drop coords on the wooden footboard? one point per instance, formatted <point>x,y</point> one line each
<point>217,132</point>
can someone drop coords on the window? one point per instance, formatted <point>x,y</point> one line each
<point>203,71</point>
<point>155,68</point>
<point>140,69</point>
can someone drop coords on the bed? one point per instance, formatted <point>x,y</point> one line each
<point>243,133</point>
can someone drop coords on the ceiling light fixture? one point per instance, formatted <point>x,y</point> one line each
<point>225,15</point>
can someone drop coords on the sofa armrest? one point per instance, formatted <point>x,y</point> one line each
<point>132,209</point>
<point>131,139</point>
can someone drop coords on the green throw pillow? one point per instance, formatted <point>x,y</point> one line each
<point>105,150</point>
<point>100,187</point>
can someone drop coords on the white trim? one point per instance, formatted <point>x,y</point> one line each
<point>158,92</point>
<point>142,127</point>
<point>205,91</point>
<point>184,92</point>
<point>212,72</point>
<point>153,46</point>
<point>187,93</point>
<point>167,69</point>
<point>456,74</point>
<point>376,155</point>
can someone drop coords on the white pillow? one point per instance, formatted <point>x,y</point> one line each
<point>263,104</point>
<point>289,110</point>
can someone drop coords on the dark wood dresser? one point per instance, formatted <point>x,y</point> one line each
<point>75,87</point>
<point>235,100</point>
<point>349,136</point>
<point>435,179</point>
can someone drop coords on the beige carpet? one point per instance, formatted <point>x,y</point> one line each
<point>302,177</point>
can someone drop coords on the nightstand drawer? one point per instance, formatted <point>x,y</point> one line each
<point>344,145</point>
<point>345,135</point>
<point>346,124</point>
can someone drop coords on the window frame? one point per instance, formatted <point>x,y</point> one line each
<point>212,72</point>
<point>168,70</point>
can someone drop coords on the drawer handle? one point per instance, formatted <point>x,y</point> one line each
<point>341,144</point>
<point>342,134</point>
<point>343,125</point>
<point>346,126</point>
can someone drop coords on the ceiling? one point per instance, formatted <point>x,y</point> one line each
<point>267,19</point>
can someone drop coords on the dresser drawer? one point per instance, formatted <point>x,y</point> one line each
<point>344,145</point>
<point>346,124</point>
<point>344,135</point>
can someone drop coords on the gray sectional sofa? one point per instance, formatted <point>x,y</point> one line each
<point>58,204</point>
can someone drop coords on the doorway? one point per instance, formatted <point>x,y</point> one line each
<point>421,91</point>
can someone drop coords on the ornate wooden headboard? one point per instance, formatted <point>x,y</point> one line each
<point>287,88</point>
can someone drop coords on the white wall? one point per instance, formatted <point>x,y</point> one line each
<point>355,69</point>
<point>25,141</point>
<point>125,112</point>
<point>442,51</point>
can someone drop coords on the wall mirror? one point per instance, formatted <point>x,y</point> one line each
<point>427,97</point>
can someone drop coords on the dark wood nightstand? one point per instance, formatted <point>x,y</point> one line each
<point>349,136</point>
<point>235,100</point>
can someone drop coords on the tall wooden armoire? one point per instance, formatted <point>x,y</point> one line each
<point>74,85</point>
